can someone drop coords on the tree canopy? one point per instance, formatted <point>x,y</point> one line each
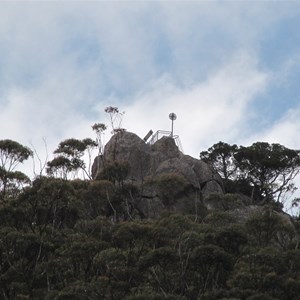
<point>58,240</point>
<point>11,155</point>
<point>69,155</point>
<point>267,169</point>
<point>65,237</point>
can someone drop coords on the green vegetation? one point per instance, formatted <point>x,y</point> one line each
<point>263,171</point>
<point>68,158</point>
<point>62,237</point>
<point>11,155</point>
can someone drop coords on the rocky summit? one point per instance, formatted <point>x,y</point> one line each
<point>166,178</point>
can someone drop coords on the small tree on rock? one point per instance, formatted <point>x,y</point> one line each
<point>116,118</point>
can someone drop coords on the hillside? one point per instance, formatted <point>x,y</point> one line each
<point>153,223</point>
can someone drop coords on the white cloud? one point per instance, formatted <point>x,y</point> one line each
<point>61,62</point>
<point>213,110</point>
<point>284,131</point>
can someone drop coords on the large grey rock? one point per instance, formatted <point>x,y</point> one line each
<point>125,147</point>
<point>148,163</point>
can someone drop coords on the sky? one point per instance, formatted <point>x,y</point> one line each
<point>228,69</point>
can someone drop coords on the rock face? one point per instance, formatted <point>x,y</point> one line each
<point>160,171</point>
<point>162,157</point>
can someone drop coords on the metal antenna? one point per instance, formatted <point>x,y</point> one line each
<point>172,117</point>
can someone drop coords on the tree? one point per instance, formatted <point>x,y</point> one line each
<point>50,201</point>
<point>263,171</point>
<point>260,272</point>
<point>11,155</point>
<point>169,186</point>
<point>101,199</point>
<point>116,172</point>
<point>69,157</point>
<point>116,118</point>
<point>211,266</point>
<point>221,157</point>
<point>99,128</point>
<point>270,168</point>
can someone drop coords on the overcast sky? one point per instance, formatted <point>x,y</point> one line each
<point>229,70</point>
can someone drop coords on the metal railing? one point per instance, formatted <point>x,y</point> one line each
<point>160,133</point>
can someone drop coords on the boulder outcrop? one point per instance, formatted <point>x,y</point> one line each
<point>167,179</point>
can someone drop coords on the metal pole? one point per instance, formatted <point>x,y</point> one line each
<point>172,117</point>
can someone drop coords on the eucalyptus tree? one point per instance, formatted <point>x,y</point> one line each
<point>221,157</point>
<point>263,171</point>
<point>99,129</point>
<point>269,168</point>
<point>11,155</point>
<point>69,158</point>
<point>116,118</point>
